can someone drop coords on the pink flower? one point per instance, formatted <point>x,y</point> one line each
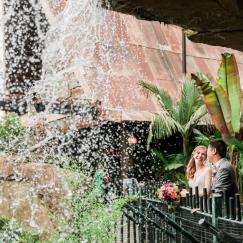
<point>168,192</point>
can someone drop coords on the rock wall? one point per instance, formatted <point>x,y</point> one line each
<point>32,193</point>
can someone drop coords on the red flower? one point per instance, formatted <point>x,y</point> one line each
<point>168,192</point>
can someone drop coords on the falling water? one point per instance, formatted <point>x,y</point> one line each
<point>77,54</point>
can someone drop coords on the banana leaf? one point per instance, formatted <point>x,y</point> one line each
<point>203,82</point>
<point>212,103</point>
<point>222,81</point>
<point>225,106</point>
<point>229,79</point>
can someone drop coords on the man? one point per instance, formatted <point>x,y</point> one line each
<point>130,184</point>
<point>225,175</point>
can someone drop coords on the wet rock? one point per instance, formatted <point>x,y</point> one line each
<point>32,193</point>
<point>19,201</point>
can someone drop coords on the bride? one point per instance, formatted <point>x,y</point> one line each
<point>198,174</point>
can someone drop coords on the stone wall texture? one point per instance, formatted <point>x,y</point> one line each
<point>125,51</point>
<point>32,193</point>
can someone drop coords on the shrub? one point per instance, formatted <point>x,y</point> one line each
<point>12,134</point>
<point>90,219</point>
<point>10,231</point>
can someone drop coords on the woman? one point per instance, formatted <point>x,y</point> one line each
<point>198,174</point>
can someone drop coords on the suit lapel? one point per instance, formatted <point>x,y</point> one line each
<point>220,164</point>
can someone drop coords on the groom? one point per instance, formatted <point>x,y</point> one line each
<point>225,175</point>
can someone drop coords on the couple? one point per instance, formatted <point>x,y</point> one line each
<point>199,174</point>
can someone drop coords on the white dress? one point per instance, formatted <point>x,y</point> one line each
<point>199,182</point>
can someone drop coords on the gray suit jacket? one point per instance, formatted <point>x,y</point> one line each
<point>225,178</point>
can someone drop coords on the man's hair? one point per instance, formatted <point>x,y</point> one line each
<point>220,146</point>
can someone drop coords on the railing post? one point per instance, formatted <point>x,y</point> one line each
<point>210,205</point>
<point>238,207</point>
<point>216,211</point>
<point>205,200</point>
<point>121,232</point>
<point>196,198</point>
<point>225,204</point>
<point>128,230</point>
<point>134,229</point>
<point>141,221</point>
<point>187,200</point>
<point>190,198</point>
<point>231,207</point>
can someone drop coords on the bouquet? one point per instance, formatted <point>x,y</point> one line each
<point>169,192</point>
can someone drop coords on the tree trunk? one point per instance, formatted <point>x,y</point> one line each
<point>186,147</point>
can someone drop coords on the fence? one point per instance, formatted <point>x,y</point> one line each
<point>149,220</point>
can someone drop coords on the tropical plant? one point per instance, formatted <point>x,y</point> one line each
<point>89,218</point>
<point>224,104</point>
<point>176,116</point>
<point>203,138</point>
<point>224,101</point>
<point>171,166</point>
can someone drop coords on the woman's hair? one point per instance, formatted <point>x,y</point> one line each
<point>191,167</point>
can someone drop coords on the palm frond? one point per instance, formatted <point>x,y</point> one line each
<point>173,166</point>
<point>189,102</point>
<point>195,117</point>
<point>179,158</point>
<point>159,155</point>
<point>170,162</point>
<point>163,125</point>
<point>175,161</point>
<point>164,98</point>
<point>150,136</point>
<point>201,138</point>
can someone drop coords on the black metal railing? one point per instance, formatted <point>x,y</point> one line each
<point>197,219</point>
<point>147,221</point>
<point>232,208</point>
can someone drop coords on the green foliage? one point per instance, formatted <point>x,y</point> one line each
<point>176,116</point>
<point>205,138</point>
<point>240,173</point>
<point>236,149</point>
<point>11,133</point>
<point>90,220</point>
<point>171,166</point>
<point>10,231</point>
<point>223,102</point>
<point>240,166</point>
<point>29,237</point>
<point>3,221</point>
